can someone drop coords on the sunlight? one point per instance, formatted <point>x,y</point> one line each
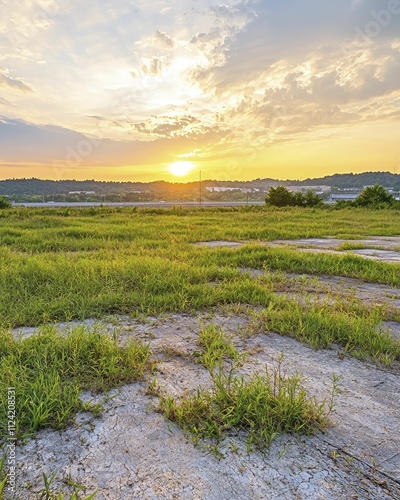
<point>181,168</point>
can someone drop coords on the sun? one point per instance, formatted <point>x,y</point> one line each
<point>181,168</point>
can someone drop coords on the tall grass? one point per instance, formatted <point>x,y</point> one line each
<point>50,370</point>
<point>356,329</point>
<point>57,265</point>
<point>258,408</point>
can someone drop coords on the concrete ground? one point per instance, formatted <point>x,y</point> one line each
<point>133,452</point>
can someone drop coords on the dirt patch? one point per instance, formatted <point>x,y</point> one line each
<point>383,249</point>
<point>378,248</point>
<point>219,244</point>
<point>371,293</point>
<point>133,452</point>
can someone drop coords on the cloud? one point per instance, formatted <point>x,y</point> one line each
<point>164,39</point>
<point>6,81</point>
<point>4,102</point>
<point>63,149</point>
<point>221,75</point>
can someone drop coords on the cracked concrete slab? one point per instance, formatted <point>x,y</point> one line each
<point>219,244</point>
<point>132,452</point>
<point>380,248</point>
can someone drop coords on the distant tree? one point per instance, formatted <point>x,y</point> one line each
<point>374,196</point>
<point>4,203</point>
<point>312,200</point>
<point>280,197</point>
<point>298,199</point>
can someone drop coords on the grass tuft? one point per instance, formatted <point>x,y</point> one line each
<point>321,325</point>
<point>259,408</point>
<point>50,370</point>
<point>215,347</point>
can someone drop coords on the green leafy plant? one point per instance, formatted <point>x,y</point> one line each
<point>4,203</point>
<point>374,196</point>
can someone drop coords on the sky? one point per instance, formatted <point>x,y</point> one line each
<point>237,89</point>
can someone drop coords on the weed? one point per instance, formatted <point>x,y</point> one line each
<point>50,370</point>
<point>215,347</point>
<point>260,407</point>
<point>48,494</point>
<point>321,325</point>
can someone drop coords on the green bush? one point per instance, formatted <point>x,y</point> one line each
<point>282,197</point>
<point>374,196</point>
<point>4,203</point>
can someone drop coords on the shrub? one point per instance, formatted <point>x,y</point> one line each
<point>4,203</point>
<point>279,197</point>
<point>282,197</point>
<point>374,196</point>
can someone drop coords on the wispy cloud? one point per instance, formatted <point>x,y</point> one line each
<point>196,74</point>
<point>6,81</point>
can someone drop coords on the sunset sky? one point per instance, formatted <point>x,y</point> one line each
<point>146,90</point>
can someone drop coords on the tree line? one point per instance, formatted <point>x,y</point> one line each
<point>371,197</point>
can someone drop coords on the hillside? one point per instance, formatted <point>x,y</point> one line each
<point>39,187</point>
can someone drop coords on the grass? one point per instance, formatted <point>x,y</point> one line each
<point>47,492</point>
<point>358,330</point>
<point>58,265</point>
<point>348,246</point>
<point>258,408</point>
<point>50,370</point>
<point>215,347</point>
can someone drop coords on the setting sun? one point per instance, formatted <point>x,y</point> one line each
<point>181,168</point>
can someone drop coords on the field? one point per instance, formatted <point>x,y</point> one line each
<point>126,300</point>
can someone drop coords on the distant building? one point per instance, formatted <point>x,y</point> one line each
<point>304,189</point>
<point>343,196</point>
<point>222,189</point>
<point>355,193</point>
<point>82,192</point>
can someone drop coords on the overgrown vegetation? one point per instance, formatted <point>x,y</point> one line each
<point>282,197</point>
<point>321,325</point>
<point>215,347</point>
<point>50,370</point>
<point>258,408</point>
<point>59,265</point>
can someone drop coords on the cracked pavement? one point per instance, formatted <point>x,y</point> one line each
<point>133,452</point>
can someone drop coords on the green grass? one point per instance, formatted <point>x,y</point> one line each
<point>258,408</point>
<point>215,347</point>
<point>50,370</point>
<point>358,330</point>
<point>348,246</point>
<point>62,265</point>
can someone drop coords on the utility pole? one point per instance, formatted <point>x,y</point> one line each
<point>200,185</point>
